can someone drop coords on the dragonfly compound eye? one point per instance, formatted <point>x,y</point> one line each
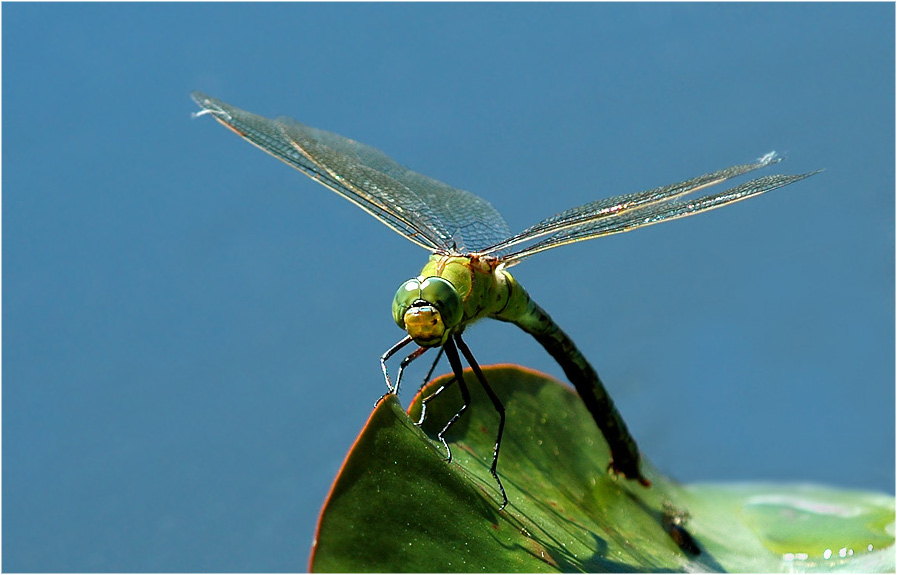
<point>440,293</point>
<point>408,293</point>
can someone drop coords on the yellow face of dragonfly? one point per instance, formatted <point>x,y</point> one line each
<point>428,309</point>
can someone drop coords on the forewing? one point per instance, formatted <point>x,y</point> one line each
<point>656,213</point>
<point>617,205</point>
<point>431,214</point>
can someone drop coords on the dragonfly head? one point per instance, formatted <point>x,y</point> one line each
<point>428,309</point>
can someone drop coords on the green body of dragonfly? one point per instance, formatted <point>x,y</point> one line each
<point>466,278</point>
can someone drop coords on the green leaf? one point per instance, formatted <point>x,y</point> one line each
<point>398,506</point>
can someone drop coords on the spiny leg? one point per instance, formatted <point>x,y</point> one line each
<point>496,402</point>
<point>386,355</point>
<point>432,369</point>
<point>455,361</point>
<point>432,396</point>
<point>424,401</point>
<point>405,362</point>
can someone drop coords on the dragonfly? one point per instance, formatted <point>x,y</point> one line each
<point>471,249</point>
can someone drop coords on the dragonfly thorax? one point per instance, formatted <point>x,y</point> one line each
<point>452,292</point>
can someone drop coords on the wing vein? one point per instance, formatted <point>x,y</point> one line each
<point>616,206</point>
<point>656,213</point>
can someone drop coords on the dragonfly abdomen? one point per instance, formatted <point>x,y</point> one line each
<point>523,311</point>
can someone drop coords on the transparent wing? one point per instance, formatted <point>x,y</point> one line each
<point>431,214</point>
<point>654,213</point>
<point>613,207</point>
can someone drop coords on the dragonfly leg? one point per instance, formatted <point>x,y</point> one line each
<point>408,359</point>
<point>432,369</point>
<point>388,354</point>
<point>496,402</point>
<point>455,361</point>
<point>424,401</point>
<point>405,362</point>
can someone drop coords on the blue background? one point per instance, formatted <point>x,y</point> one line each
<point>191,329</point>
